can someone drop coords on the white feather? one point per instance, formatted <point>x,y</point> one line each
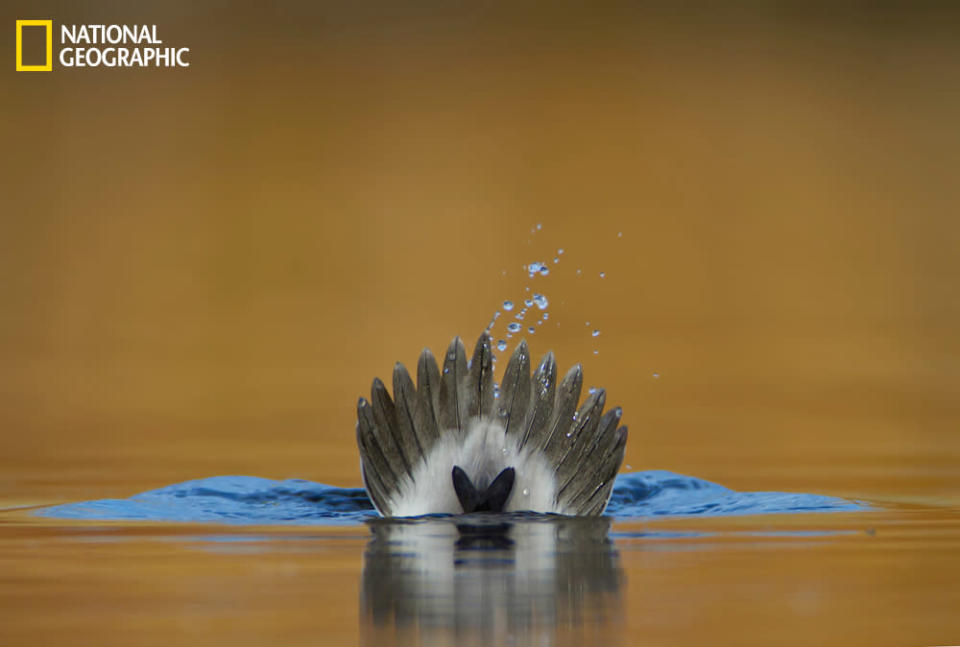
<point>482,452</point>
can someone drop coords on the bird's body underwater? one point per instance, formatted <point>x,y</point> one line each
<point>452,445</point>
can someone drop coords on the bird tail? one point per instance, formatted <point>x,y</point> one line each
<point>582,448</point>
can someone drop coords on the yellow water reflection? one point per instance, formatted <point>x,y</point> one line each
<point>882,577</point>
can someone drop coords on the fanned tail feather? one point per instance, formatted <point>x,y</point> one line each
<point>448,443</point>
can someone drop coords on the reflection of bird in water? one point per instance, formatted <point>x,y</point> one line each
<point>453,445</point>
<point>491,580</point>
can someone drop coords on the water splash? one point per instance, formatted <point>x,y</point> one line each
<point>535,268</point>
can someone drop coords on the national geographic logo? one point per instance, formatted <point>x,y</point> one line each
<point>94,46</point>
<point>47,37</point>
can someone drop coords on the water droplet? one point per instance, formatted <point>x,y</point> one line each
<point>596,352</point>
<point>536,267</point>
<point>526,491</point>
<point>576,414</point>
<point>445,370</point>
<point>539,226</point>
<point>509,335</point>
<point>560,251</point>
<point>520,315</point>
<point>508,305</point>
<point>595,333</point>
<point>528,302</point>
<point>656,376</point>
<point>531,330</point>
<point>541,301</point>
<point>592,390</point>
<point>496,315</point>
<point>619,234</point>
<point>504,450</point>
<point>587,323</point>
<point>603,274</point>
<point>556,259</point>
<point>629,467</point>
<point>546,315</point>
<point>578,272</point>
<point>501,345</point>
<point>513,326</point>
<point>540,323</point>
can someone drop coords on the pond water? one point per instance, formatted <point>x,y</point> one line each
<point>240,559</point>
<point>322,569</point>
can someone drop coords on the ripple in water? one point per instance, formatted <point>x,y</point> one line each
<point>252,500</point>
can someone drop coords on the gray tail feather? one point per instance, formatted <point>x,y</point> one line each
<point>585,446</point>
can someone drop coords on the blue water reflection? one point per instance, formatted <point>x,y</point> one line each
<point>252,500</point>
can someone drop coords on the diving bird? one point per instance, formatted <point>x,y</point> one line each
<point>453,445</point>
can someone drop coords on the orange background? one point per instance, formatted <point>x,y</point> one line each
<point>203,268</point>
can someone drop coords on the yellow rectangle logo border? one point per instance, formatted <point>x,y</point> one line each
<point>34,23</point>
